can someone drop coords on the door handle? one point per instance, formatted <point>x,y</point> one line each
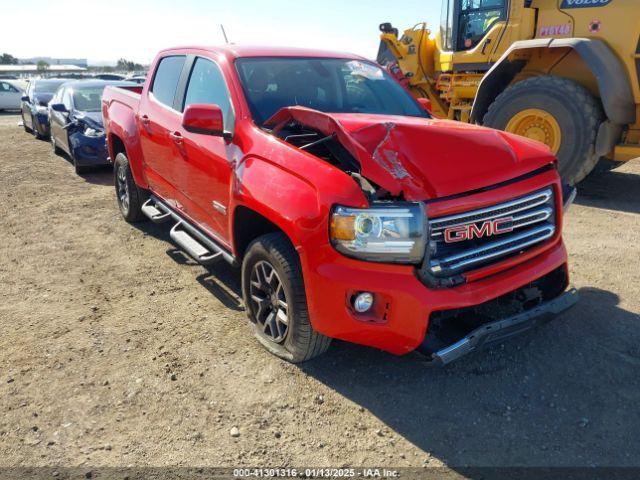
<point>176,137</point>
<point>145,119</point>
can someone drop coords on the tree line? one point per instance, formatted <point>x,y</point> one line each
<point>122,65</point>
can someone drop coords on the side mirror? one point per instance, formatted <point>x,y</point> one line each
<point>425,103</point>
<point>24,98</point>
<point>204,119</point>
<point>59,107</point>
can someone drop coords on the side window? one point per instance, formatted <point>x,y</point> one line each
<point>165,80</point>
<point>4,87</point>
<point>207,86</point>
<point>66,99</point>
<point>476,19</point>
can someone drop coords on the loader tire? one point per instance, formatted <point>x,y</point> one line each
<point>557,111</point>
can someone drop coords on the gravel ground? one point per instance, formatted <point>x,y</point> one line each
<point>115,350</point>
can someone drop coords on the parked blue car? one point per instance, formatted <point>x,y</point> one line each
<point>34,105</point>
<point>76,123</point>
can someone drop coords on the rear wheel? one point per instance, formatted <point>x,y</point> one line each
<point>275,300</point>
<point>130,198</point>
<point>556,111</point>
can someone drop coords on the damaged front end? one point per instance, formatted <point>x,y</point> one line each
<point>392,229</point>
<point>87,141</point>
<point>372,155</point>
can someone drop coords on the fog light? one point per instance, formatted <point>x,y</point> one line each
<point>363,302</point>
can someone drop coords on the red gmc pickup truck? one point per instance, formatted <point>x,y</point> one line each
<point>352,213</point>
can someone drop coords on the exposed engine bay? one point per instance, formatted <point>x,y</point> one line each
<point>369,154</point>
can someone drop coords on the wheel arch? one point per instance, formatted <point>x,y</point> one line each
<point>249,224</point>
<point>116,144</point>
<point>612,80</point>
<point>279,197</point>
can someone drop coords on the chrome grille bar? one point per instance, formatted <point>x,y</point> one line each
<point>519,221</point>
<point>495,211</point>
<point>489,251</point>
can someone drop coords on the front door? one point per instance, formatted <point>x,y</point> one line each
<point>208,160</point>
<point>26,111</point>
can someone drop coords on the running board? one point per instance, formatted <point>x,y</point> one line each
<point>155,212</point>
<point>193,247</point>
<point>198,245</point>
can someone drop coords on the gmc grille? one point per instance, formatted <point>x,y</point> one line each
<point>532,221</point>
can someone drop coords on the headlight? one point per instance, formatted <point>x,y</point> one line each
<point>386,232</point>
<point>92,132</point>
<point>41,109</point>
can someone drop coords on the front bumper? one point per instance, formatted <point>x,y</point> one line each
<point>89,151</point>
<point>495,332</point>
<point>404,305</point>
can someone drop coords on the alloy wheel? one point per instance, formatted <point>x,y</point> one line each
<point>268,302</point>
<point>123,188</point>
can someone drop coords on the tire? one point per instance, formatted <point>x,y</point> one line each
<point>125,185</point>
<point>24,125</point>
<point>34,130</point>
<point>54,147</point>
<point>296,341</point>
<point>577,113</point>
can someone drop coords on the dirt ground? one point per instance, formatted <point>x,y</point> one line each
<point>115,350</point>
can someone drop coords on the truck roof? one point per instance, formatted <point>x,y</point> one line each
<point>239,51</point>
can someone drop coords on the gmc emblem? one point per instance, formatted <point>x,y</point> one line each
<point>473,230</point>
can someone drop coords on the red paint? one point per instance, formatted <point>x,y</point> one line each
<point>451,165</point>
<point>203,119</point>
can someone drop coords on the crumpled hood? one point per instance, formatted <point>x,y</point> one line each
<point>91,119</point>
<point>424,158</point>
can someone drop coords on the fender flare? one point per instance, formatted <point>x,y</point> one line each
<point>613,82</point>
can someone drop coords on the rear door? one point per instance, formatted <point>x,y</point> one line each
<point>159,117</point>
<point>207,160</point>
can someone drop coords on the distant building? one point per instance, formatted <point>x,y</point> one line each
<point>24,71</point>
<point>78,62</point>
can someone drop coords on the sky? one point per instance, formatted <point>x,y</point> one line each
<point>105,30</point>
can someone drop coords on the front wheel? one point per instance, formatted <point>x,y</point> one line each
<point>54,146</point>
<point>275,300</point>
<point>556,111</point>
<point>130,198</point>
<point>34,130</point>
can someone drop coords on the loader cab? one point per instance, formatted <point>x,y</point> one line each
<point>466,24</point>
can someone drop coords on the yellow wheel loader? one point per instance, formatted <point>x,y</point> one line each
<point>563,72</point>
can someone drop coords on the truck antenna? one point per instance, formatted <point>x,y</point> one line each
<point>224,34</point>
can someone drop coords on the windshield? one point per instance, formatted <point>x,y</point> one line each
<point>47,86</point>
<point>88,99</point>
<point>327,84</point>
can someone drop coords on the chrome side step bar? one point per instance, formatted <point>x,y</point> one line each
<point>199,246</point>
<point>194,249</point>
<point>155,212</point>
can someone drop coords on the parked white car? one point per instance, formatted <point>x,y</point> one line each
<point>10,95</point>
